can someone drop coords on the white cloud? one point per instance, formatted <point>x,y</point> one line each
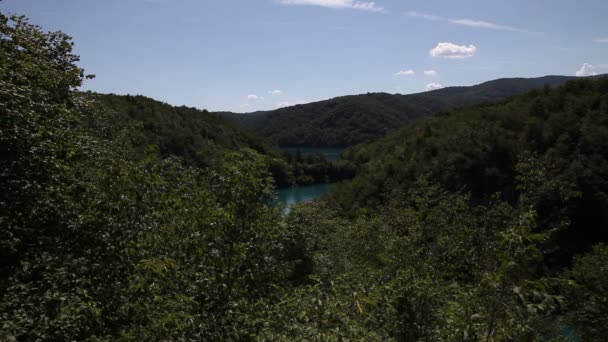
<point>425,16</point>
<point>464,22</point>
<point>245,106</point>
<point>433,86</point>
<point>405,72</point>
<point>482,24</point>
<point>602,40</point>
<point>340,4</point>
<point>430,72</point>
<point>453,51</point>
<point>586,70</point>
<point>275,92</point>
<point>253,97</point>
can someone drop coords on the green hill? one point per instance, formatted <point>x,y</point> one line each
<point>482,150</point>
<point>192,134</point>
<point>461,216</point>
<point>200,138</point>
<point>349,120</point>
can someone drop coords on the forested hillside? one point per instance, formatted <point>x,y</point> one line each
<point>101,239</point>
<point>200,138</point>
<point>194,135</point>
<point>349,120</point>
<point>486,223</point>
<point>478,149</point>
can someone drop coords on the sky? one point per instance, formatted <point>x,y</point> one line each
<point>249,55</point>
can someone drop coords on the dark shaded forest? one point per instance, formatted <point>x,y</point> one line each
<point>196,136</point>
<point>349,120</point>
<point>479,149</point>
<point>125,219</point>
<point>200,138</point>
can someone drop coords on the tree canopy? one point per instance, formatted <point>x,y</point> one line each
<point>126,219</point>
<point>350,120</point>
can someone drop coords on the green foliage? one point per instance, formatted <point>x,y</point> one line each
<point>110,229</point>
<point>432,266</point>
<point>479,149</point>
<point>103,242</point>
<point>200,138</point>
<point>216,253</point>
<point>48,244</point>
<point>320,312</point>
<point>586,294</point>
<point>194,135</point>
<point>349,120</point>
<point>315,169</point>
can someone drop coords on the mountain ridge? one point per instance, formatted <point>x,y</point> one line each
<point>352,119</point>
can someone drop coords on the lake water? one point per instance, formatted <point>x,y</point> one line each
<point>331,153</point>
<point>297,194</point>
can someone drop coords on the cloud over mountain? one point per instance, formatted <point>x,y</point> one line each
<point>433,86</point>
<point>586,70</point>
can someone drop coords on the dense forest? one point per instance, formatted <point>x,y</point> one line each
<point>485,223</point>
<point>194,135</point>
<point>478,150</point>
<point>349,120</point>
<point>200,138</point>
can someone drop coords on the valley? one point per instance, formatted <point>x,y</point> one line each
<point>462,213</point>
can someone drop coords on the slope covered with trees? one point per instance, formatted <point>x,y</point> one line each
<point>479,148</point>
<point>103,239</point>
<point>349,120</point>
<point>200,138</point>
<point>192,134</point>
<point>481,223</point>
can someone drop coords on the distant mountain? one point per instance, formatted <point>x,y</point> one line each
<point>349,120</point>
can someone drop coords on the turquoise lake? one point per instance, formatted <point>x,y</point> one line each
<point>297,194</point>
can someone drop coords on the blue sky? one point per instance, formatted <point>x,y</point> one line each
<point>246,55</point>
